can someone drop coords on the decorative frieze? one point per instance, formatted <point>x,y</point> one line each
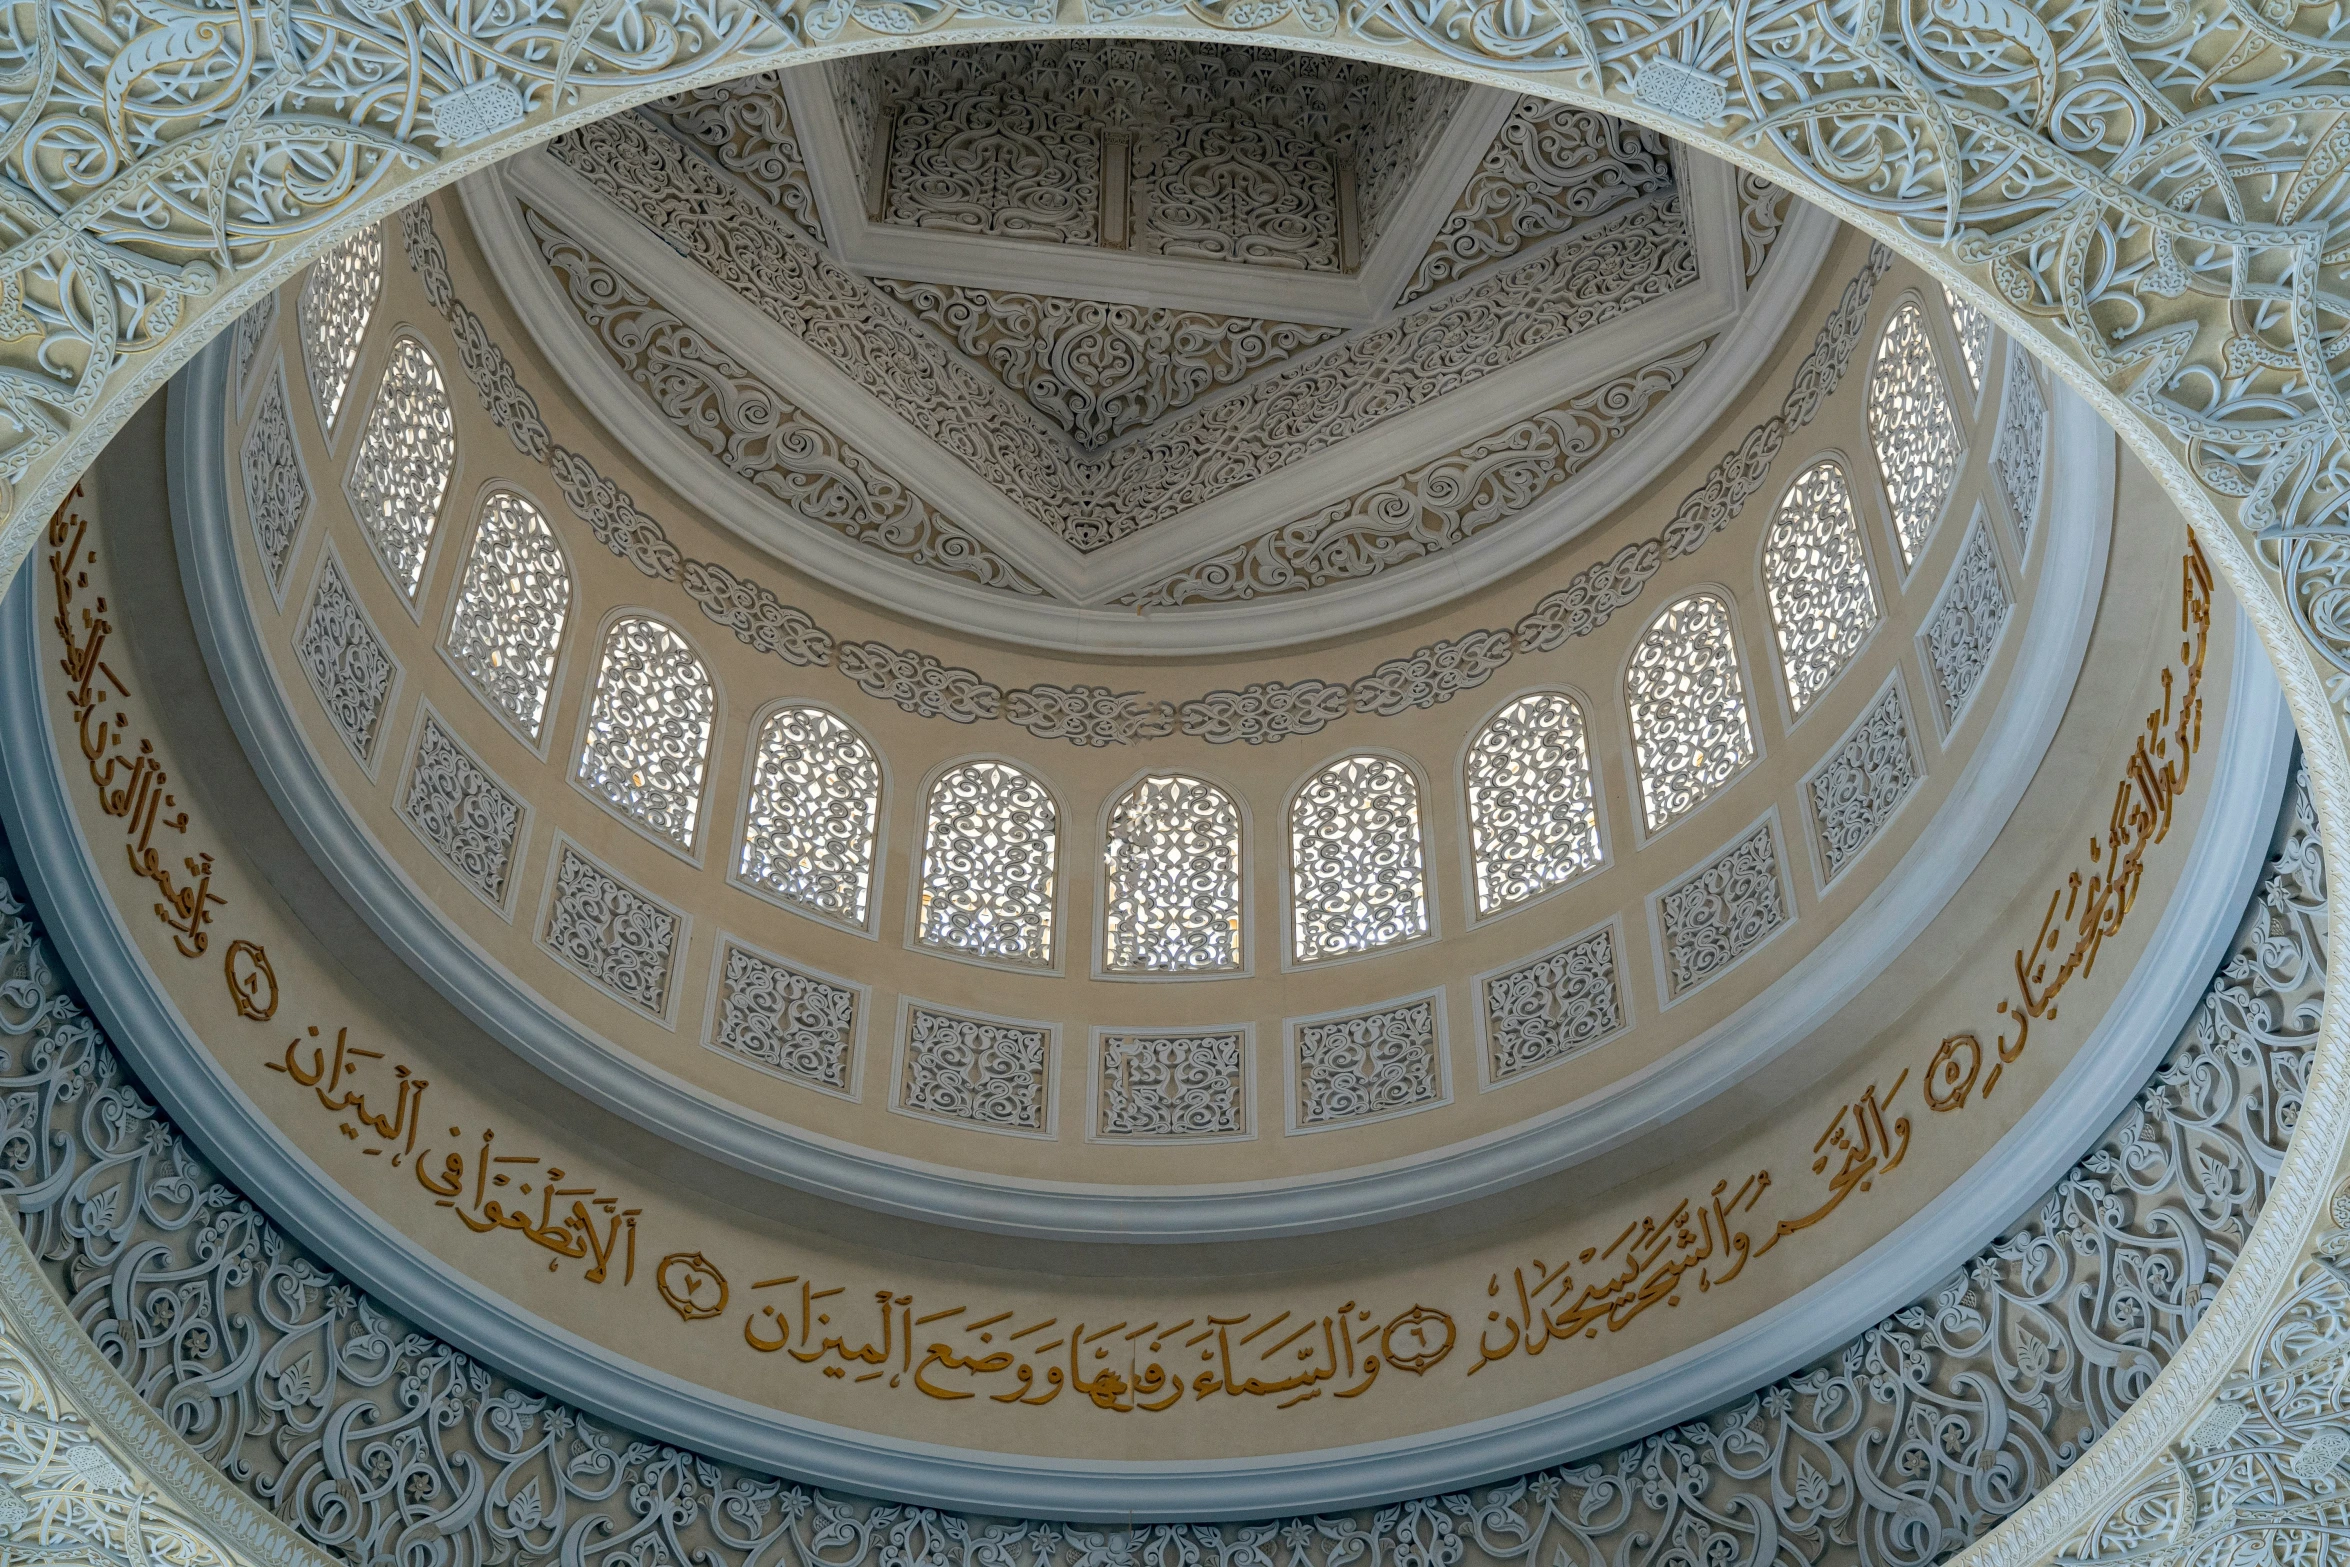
<point>1962,630</point>
<point>462,812</point>
<point>784,1019</point>
<point>1171,1085</point>
<point>1714,917</point>
<point>277,486</point>
<point>1551,167</point>
<point>620,939</point>
<point>1854,793</point>
<point>1554,1007</point>
<point>745,127</point>
<point>1353,1068</point>
<point>994,1074</point>
<point>350,665</point>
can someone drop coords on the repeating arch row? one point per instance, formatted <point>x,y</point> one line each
<point>1172,849</point>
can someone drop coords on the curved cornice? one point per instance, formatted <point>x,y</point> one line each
<point>1912,894</point>
<point>2277,941</point>
<point>173,1061</point>
<point>1746,325</point>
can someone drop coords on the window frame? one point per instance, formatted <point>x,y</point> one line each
<point>1740,644</point>
<point>1290,961</point>
<point>565,644</point>
<point>436,541</point>
<point>696,853</point>
<point>1247,965</point>
<point>760,718</point>
<point>1474,918</point>
<point>1057,941</point>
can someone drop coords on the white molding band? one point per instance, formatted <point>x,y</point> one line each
<point>174,1065</point>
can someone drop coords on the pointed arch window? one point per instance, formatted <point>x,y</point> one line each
<point>1171,861</point>
<point>808,831</point>
<point>1972,328</point>
<point>1357,878</point>
<point>647,744</point>
<point>338,300</point>
<point>511,606</point>
<point>1691,732</point>
<point>400,473</point>
<point>1914,427</point>
<point>1816,577</point>
<point>990,851</point>
<point>1533,814</point>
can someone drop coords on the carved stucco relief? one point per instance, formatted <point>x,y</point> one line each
<point>2008,1368</point>
<point>1259,714</point>
<point>1638,254</point>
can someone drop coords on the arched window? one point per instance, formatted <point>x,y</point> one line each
<point>1690,730</point>
<point>648,730</point>
<point>338,300</point>
<point>401,470</point>
<point>1356,878</point>
<point>1972,328</point>
<point>808,830</point>
<point>1817,580</point>
<point>1913,427</point>
<point>1171,855</point>
<point>511,606</point>
<point>990,850</point>
<point>1533,818</point>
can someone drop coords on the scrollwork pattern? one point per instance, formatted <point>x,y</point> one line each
<point>1171,878</point>
<point>1369,1067</point>
<point>407,450</point>
<point>1533,813</point>
<point>983,1071</point>
<point>512,605</point>
<point>1816,579</point>
<point>461,811</point>
<point>808,834</point>
<point>1357,877</point>
<point>349,664</point>
<point>646,744</point>
<point>1168,1087</point>
<point>991,839</point>
<point>336,303</point>
<point>785,1021</point>
<point>1962,631</point>
<point>1914,428</point>
<point>1902,1446</point>
<point>1691,729</point>
<point>1863,782</point>
<point>1723,910</point>
<point>277,489</point>
<point>1550,168</point>
<point>618,938</point>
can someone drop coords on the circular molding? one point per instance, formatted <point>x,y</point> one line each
<point>2109,1068</point>
<point>1912,894</point>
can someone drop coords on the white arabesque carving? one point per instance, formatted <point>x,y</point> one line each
<point>1874,767</point>
<point>1972,328</point>
<point>1533,815</point>
<point>1815,574</point>
<point>1691,730</point>
<point>984,1072</point>
<point>1171,1086</point>
<point>400,473</point>
<point>461,811</point>
<point>1554,1008</point>
<point>809,826</point>
<point>1722,911</point>
<point>277,490</point>
<point>350,665</point>
<point>1171,878</point>
<point>618,937</point>
<point>785,1020</point>
<point>338,300</point>
<point>511,607</point>
<point>1913,425</point>
<point>646,744</point>
<point>1369,1066</point>
<point>1356,878</point>
<point>1962,630</point>
<point>990,855</point>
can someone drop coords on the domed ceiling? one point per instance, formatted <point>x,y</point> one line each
<point>1068,337</point>
<point>1118,780</point>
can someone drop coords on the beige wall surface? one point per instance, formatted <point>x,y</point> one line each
<point>1187,1351</point>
